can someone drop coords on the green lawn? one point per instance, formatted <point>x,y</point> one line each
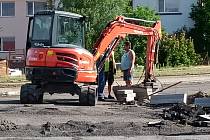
<point>173,71</point>
<point>12,79</point>
<point>192,70</point>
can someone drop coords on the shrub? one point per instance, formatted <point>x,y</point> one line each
<point>177,50</point>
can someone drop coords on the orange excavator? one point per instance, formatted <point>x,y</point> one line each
<point>57,61</point>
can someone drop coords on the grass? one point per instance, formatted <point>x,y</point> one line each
<point>173,71</point>
<point>191,70</point>
<point>12,79</point>
<point>166,71</point>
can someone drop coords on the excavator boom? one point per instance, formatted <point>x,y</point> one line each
<point>119,29</point>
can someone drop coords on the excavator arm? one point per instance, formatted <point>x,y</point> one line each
<point>118,30</point>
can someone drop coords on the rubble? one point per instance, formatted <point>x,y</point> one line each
<point>205,117</point>
<point>46,128</point>
<point>185,114</point>
<point>6,125</point>
<point>191,98</point>
<point>155,123</point>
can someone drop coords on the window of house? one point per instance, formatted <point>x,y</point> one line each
<point>168,5</point>
<point>7,8</point>
<point>7,44</point>
<point>33,7</point>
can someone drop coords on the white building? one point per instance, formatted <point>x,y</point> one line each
<point>174,14</point>
<point>14,16</point>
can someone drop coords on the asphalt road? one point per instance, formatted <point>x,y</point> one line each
<point>61,116</point>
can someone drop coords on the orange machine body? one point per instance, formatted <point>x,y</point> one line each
<point>78,61</point>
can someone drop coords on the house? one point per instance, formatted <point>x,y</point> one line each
<point>14,15</point>
<point>174,14</point>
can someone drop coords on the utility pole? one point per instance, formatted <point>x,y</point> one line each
<point>205,48</point>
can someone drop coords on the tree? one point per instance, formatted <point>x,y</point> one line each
<point>201,31</point>
<point>99,13</point>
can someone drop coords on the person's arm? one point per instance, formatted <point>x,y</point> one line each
<point>114,66</point>
<point>113,62</point>
<point>132,58</point>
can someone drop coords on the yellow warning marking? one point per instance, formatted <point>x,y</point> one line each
<point>50,53</point>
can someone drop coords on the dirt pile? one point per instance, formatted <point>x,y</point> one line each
<point>200,94</point>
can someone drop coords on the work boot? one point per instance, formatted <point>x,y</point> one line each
<point>101,99</point>
<point>110,97</point>
<point>106,98</point>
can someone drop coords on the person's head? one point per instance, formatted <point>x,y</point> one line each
<point>127,46</point>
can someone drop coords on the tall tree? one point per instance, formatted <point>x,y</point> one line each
<point>201,31</point>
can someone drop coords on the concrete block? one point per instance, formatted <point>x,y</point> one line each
<point>125,95</point>
<point>125,91</point>
<point>168,99</point>
<point>204,102</point>
<point>207,117</point>
<point>130,97</point>
<point>141,91</point>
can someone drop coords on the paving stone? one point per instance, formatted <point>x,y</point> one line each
<point>168,99</point>
<point>125,95</point>
<point>204,102</point>
<point>125,91</point>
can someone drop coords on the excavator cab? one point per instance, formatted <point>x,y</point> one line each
<point>53,28</point>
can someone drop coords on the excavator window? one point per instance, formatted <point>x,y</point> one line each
<point>69,31</point>
<point>29,33</point>
<point>42,27</point>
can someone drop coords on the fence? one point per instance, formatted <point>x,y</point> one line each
<point>16,59</point>
<point>12,59</point>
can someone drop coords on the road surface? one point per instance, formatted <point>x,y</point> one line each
<point>61,115</point>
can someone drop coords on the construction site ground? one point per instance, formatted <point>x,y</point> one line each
<point>61,115</point>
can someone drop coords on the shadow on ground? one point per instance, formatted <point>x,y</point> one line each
<point>62,102</point>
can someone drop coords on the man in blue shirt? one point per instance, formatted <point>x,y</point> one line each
<point>127,64</point>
